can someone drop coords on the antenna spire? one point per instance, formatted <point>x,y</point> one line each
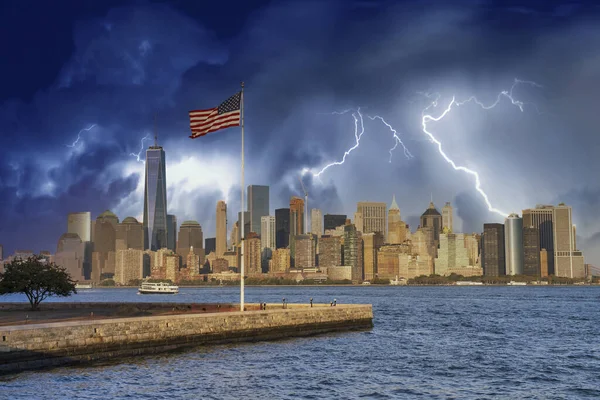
<point>155,134</point>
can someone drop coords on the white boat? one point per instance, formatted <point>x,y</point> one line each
<point>513,283</point>
<point>83,286</point>
<point>158,288</point>
<point>468,283</point>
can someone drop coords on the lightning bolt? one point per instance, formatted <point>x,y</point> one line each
<point>358,117</point>
<point>425,118</point>
<point>139,153</point>
<point>79,136</point>
<point>397,140</point>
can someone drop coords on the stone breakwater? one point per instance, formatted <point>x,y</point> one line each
<point>33,346</point>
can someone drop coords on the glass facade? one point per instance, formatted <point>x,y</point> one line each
<point>155,200</point>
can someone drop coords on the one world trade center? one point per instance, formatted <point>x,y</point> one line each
<point>155,199</point>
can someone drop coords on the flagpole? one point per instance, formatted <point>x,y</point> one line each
<point>242,271</point>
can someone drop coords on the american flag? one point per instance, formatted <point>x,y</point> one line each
<point>213,119</point>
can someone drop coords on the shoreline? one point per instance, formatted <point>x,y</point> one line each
<point>349,285</point>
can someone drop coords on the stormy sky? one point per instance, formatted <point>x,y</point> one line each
<point>83,83</point>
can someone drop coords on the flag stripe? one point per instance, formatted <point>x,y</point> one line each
<point>225,117</point>
<point>209,120</point>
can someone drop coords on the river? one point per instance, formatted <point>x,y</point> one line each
<point>427,342</point>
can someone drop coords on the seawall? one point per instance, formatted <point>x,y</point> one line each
<point>33,346</point>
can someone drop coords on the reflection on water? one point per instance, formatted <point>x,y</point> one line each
<point>431,342</point>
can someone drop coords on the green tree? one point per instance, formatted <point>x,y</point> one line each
<point>37,279</point>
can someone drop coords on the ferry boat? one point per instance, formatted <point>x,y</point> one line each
<point>158,288</point>
<point>83,286</point>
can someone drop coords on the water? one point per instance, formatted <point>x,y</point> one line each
<point>428,342</point>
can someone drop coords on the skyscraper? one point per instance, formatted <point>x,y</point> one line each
<point>247,224</point>
<point>258,205</point>
<point>373,216</point>
<point>129,235</point>
<point>531,251</point>
<point>568,261</point>
<point>296,216</point>
<point>104,244</point>
<point>171,232</point>
<point>190,235</point>
<point>371,244</point>
<point>332,221</point>
<point>447,218</point>
<point>221,235</point>
<point>155,199</point>
<point>541,217</point>
<point>493,250</point>
<point>267,237</point>
<point>396,228</point>
<point>282,228</point>
<point>432,218</point>
<point>513,242</point>
<point>353,255</point>
<point>305,251</point>
<point>81,224</point>
<point>210,245</point>
<point>316,222</point>
<point>330,251</point>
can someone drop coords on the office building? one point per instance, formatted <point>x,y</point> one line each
<point>353,251</point>
<point>541,217</point>
<point>155,199</point>
<point>432,218</point>
<point>454,256</point>
<point>258,206</point>
<point>129,266</point>
<point>330,251</point>
<point>210,245</point>
<point>190,235</point>
<point>282,228</point>
<point>568,261</point>
<point>267,236</point>
<point>305,251</point>
<point>105,230</point>
<point>513,244</point>
<point>493,257</point>
<point>171,232</point>
<point>447,218</point>
<point>396,227</point>
<point>332,221</point>
<point>129,235</point>
<point>373,216</point>
<point>252,254</point>
<point>316,222</point>
<point>280,261</point>
<point>80,223</point>
<point>531,251</point>
<point>221,234</point>
<point>371,244</point>
<point>297,216</point>
<point>246,225</point>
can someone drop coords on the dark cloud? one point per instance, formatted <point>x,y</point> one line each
<point>301,61</point>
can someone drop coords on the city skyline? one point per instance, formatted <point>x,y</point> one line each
<point>94,145</point>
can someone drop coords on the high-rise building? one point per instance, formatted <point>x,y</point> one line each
<point>353,254</point>
<point>258,206</point>
<point>568,261</point>
<point>513,244</point>
<point>541,218</point>
<point>305,251</point>
<point>531,251</point>
<point>70,252</point>
<point>432,218</point>
<point>493,255</point>
<point>371,244</point>
<point>81,224</point>
<point>316,222</point>
<point>332,221</point>
<point>221,235</point>
<point>210,245</point>
<point>155,199</point>
<point>129,266</point>
<point>544,263</point>
<point>373,216</point>
<point>282,228</point>
<point>105,230</point>
<point>129,235</point>
<point>359,221</point>
<point>447,218</point>
<point>280,261</point>
<point>190,236</point>
<point>234,238</point>
<point>388,263</point>
<point>246,225</point>
<point>454,256</point>
<point>267,236</point>
<point>297,216</point>
<point>171,232</point>
<point>330,251</point>
<point>396,227</point>
<point>252,254</point>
